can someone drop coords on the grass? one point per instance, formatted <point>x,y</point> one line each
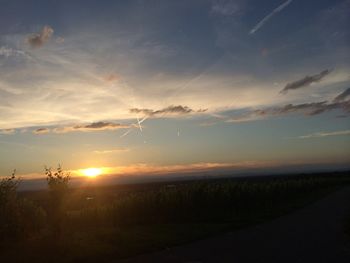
<point>123,221</point>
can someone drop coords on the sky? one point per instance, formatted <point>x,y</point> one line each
<point>159,87</point>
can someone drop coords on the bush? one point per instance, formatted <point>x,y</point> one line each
<point>32,219</point>
<point>58,187</point>
<point>9,212</point>
<point>19,217</point>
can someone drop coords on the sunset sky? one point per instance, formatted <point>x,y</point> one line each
<point>152,87</point>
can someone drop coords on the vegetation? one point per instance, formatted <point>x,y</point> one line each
<point>19,217</point>
<point>113,222</point>
<point>57,182</point>
<point>197,202</point>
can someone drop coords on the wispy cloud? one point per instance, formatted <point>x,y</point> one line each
<point>10,52</point>
<point>325,134</point>
<point>342,96</point>
<point>71,83</point>
<point>307,109</point>
<point>7,131</point>
<point>269,16</point>
<point>170,110</point>
<point>38,39</point>
<point>41,131</point>
<point>304,82</point>
<point>95,126</point>
<point>225,7</point>
<point>111,151</point>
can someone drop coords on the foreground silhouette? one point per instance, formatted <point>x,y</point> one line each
<point>103,224</point>
<point>312,234</point>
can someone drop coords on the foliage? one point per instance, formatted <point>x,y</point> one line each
<point>8,189</point>
<point>58,187</point>
<point>8,206</point>
<point>18,216</point>
<point>58,180</point>
<point>103,223</point>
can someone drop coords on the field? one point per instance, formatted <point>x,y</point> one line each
<point>103,223</point>
<point>347,227</point>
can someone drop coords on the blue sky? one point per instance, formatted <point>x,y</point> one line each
<point>169,86</point>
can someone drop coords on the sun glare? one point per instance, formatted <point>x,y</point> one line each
<point>91,172</point>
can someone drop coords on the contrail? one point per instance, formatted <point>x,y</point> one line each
<point>134,124</point>
<point>197,77</point>
<point>144,118</point>
<point>266,18</point>
<point>138,122</point>
<point>125,133</point>
<point>141,121</point>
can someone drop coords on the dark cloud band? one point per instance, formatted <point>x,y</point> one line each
<point>342,96</point>
<point>95,126</point>
<point>171,110</point>
<point>306,109</point>
<point>304,82</point>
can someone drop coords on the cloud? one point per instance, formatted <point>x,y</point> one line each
<point>38,39</point>
<point>307,109</point>
<point>250,116</point>
<point>170,110</point>
<point>59,40</point>
<point>325,134</point>
<point>304,82</point>
<point>111,151</point>
<point>269,16</point>
<point>225,7</point>
<point>41,131</point>
<point>111,78</point>
<point>95,126</point>
<point>10,52</point>
<point>342,96</point>
<point>7,131</point>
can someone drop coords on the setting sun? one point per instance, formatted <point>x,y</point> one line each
<point>91,172</point>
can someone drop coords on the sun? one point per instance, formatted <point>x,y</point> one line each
<point>91,172</point>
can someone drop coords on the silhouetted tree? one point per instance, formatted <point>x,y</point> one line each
<point>19,217</point>
<point>58,187</point>
<point>8,206</point>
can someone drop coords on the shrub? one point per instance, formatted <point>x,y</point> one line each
<point>19,217</point>
<point>58,187</point>
<point>8,206</point>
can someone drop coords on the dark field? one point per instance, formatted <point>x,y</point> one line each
<point>347,227</point>
<point>105,223</point>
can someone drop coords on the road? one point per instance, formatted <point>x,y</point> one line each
<point>312,234</point>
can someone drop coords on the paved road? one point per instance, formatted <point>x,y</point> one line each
<point>312,234</point>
